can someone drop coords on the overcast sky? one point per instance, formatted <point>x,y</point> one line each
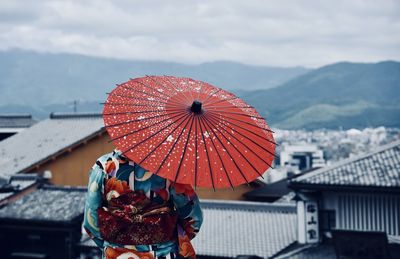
<point>279,33</point>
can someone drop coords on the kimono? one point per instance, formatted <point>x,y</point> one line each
<point>124,173</point>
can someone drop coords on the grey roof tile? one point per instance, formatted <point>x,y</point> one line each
<point>44,139</point>
<point>245,228</point>
<point>380,168</point>
<point>47,204</point>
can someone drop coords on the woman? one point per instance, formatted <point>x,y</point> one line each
<point>114,175</point>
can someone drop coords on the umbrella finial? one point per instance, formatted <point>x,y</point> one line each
<point>196,107</point>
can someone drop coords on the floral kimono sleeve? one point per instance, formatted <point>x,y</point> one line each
<point>190,216</point>
<point>93,202</point>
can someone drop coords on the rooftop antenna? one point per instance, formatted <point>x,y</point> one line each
<point>75,105</point>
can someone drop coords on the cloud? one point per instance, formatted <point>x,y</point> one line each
<point>284,33</point>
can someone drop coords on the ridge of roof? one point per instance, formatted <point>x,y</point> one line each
<point>16,115</point>
<point>247,205</point>
<point>345,161</point>
<point>67,115</point>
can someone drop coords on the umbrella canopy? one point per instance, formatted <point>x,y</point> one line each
<point>188,131</point>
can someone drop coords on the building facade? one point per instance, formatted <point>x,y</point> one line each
<point>357,194</point>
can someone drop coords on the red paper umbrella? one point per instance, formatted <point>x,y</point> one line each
<point>188,131</point>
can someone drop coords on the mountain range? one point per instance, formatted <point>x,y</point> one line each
<point>348,95</point>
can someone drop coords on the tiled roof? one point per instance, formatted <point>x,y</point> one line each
<point>16,120</point>
<point>44,139</point>
<point>380,168</point>
<point>245,228</point>
<point>47,204</point>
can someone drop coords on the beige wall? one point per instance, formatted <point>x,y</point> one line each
<point>72,167</point>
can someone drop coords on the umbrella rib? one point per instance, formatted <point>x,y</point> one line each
<point>232,106</point>
<point>177,139</point>
<point>239,150</point>
<point>159,144</point>
<point>250,138</point>
<point>147,100</point>
<point>241,114</point>
<point>129,112</point>
<point>208,157</point>
<point>133,104</point>
<point>255,153</point>
<point>244,177</point>
<point>200,91</point>
<point>184,149</point>
<point>169,85</point>
<point>211,94</point>
<point>223,100</point>
<point>152,87</point>
<point>190,92</point>
<point>263,137</point>
<point>133,132</point>
<point>219,156</point>
<point>176,89</point>
<point>143,92</point>
<point>136,120</point>
<point>195,159</point>
<point>152,135</point>
<point>230,118</point>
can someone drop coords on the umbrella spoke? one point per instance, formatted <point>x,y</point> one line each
<point>250,138</point>
<point>157,122</point>
<point>233,160</point>
<point>184,149</point>
<point>196,154</point>
<point>223,100</point>
<point>211,95</point>
<point>248,123</point>
<point>147,86</point>
<point>159,144</point>
<point>188,100</point>
<point>241,114</point>
<point>136,90</point>
<point>208,156</point>
<point>177,140</point>
<point>199,92</point>
<point>152,135</point>
<point>130,112</point>
<point>133,104</point>
<point>136,120</point>
<point>232,106</point>
<point>158,83</point>
<point>144,99</point>
<point>255,153</point>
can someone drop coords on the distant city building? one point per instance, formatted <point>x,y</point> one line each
<point>301,156</point>
<point>11,124</point>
